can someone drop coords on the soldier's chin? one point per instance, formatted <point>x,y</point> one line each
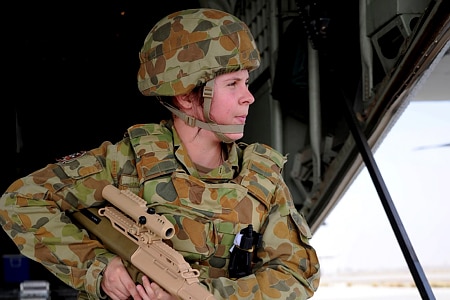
<point>234,136</point>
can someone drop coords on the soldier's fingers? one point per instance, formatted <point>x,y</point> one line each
<point>128,289</point>
<point>145,290</point>
<point>160,293</point>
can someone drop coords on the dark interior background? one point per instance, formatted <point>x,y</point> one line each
<point>70,70</point>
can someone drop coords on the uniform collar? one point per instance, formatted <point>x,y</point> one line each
<point>226,171</point>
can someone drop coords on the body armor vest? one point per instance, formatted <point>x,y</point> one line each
<point>206,215</point>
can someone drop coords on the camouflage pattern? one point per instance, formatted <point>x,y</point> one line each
<point>191,47</point>
<point>207,210</point>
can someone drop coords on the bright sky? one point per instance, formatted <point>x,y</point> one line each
<point>415,167</point>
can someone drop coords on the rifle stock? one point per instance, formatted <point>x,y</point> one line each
<point>143,248</point>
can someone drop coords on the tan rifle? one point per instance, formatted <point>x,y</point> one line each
<point>147,253</point>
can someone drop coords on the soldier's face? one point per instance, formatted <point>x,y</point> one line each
<point>231,100</point>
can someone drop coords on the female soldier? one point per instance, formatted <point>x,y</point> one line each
<point>190,169</point>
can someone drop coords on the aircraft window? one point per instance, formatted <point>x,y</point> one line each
<point>356,244</point>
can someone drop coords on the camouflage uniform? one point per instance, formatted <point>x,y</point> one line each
<point>207,210</point>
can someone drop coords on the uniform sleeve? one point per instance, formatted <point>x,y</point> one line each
<point>288,267</point>
<point>34,212</point>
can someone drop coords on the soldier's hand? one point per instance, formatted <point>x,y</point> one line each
<point>152,290</point>
<point>117,283</point>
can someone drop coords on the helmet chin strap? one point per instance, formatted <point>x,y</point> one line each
<point>219,130</point>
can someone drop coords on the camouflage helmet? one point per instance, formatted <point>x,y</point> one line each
<point>190,47</point>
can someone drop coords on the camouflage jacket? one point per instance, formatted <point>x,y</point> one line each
<point>207,211</point>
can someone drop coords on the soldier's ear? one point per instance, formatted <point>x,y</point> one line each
<point>183,101</point>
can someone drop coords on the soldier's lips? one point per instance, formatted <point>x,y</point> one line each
<point>241,119</point>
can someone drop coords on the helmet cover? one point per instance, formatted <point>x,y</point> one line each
<point>190,47</point>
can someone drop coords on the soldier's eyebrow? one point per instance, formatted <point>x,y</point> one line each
<point>233,79</point>
<point>236,78</point>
